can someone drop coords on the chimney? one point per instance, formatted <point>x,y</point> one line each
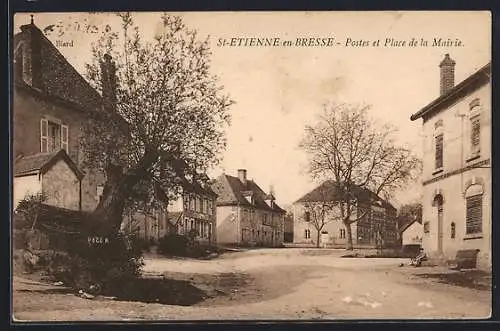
<point>31,55</point>
<point>242,175</point>
<point>108,82</point>
<point>447,81</point>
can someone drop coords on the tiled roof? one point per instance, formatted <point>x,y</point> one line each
<point>42,162</point>
<point>477,79</point>
<point>58,77</point>
<point>407,225</point>
<point>329,191</point>
<point>231,191</point>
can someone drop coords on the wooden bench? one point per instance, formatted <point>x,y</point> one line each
<point>465,259</point>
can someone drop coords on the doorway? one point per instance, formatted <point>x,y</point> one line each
<point>438,202</point>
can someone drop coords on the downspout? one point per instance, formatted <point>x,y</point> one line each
<point>80,195</point>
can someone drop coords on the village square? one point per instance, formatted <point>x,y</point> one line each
<point>146,188</point>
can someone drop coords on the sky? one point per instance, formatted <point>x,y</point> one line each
<point>279,90</point>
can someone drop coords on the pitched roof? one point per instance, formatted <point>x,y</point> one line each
<point>174,217</point>
<point>42,162</point>
<point>474,81</point>
<point>407,225</point>
<point>231,191</point>
<point>57,77</point>
<point>329,191</point>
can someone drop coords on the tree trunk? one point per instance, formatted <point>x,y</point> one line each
<point>108,214</point>
<point>349,246</point>
<point>317,238</point>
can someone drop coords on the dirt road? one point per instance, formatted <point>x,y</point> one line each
<point>273,284</point>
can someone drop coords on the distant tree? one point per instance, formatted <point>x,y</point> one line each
<point>347,147</point>
<point>164,117</point>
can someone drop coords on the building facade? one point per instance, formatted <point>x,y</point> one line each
<point>246,215</point>
<point>51,101</point>
<point>376,227</point>
<point>457,165</point>
<point>194,212</point>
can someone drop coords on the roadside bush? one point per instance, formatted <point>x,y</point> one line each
<point>98,267</point>
<point>173,245</point>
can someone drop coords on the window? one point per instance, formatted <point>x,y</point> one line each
<point>53,136</point>
<point>342,234</point>
<point>202,205</point>
<point>439,151</point>
<point>474,214</point>
<point>452,230</point>
<point>307,234</point>
<point>475,135</point>
<point>426,227</point>
<point>191,203</point>
<point>99,191</point>
<point>307,216</point>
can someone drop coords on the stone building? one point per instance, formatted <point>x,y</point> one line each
<point>377,227</point>
<point>55,174</point>
<point>246,215</point>
<point>51,103</point>
<point>457,165</point>
<point>194,212</point>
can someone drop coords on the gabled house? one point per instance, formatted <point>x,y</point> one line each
<point>51,103</point>
<point>411,233</point>
<point>457,165</point>
<point>377,227</point>
<point>246,214</point>
<point>54,174</point>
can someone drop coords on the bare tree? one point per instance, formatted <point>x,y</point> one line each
<point>321,211</point>
<point>361,158</point>
<point>164,115</point>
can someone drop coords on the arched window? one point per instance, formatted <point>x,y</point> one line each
<point>452,230</point>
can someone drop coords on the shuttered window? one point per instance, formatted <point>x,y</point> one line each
<point>44,135</point>
<point>474,215</point>
<point>64,138</point>
<point>439,151</point>
<point>475,135</point>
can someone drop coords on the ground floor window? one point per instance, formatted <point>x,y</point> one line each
<point>307,234</point>
<point>474,214</point>
<point>342,234</point>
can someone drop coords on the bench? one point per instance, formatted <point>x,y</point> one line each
<point>465,259</point>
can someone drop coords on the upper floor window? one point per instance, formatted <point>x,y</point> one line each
<point>475,137</point>
<point>453,230</point>
<point>307,216</point>
<point>53,136</point>
<point>439,151</point>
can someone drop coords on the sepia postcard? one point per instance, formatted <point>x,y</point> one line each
<point>251,166</point>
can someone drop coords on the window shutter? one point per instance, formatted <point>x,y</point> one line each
<point>64,138</point>
<point>475,135</point>
<point>474,214</point>
<point>439,151</point>
<point>44,135</point>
